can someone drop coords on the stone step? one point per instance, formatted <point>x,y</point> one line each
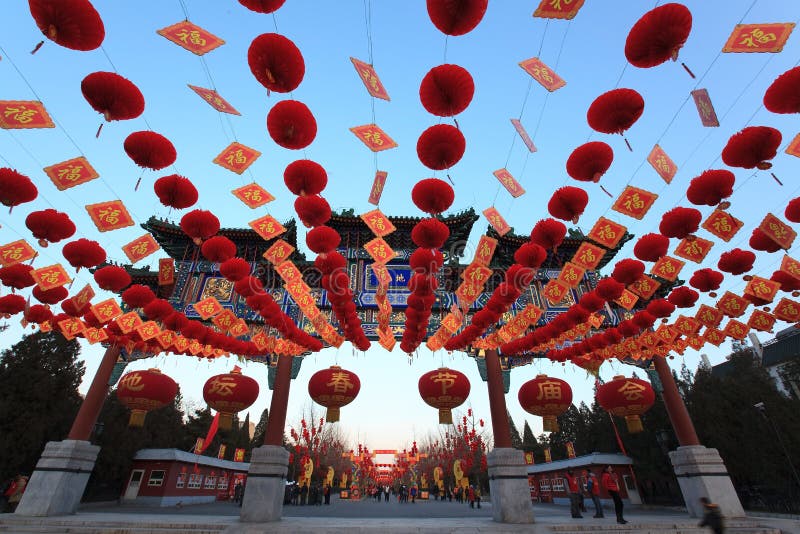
<point>739,527</point>
<point>98,526</point>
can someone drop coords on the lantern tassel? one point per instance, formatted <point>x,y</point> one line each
<point>550,423</point>
<point>606,192</point>
<point>225,421</point>
<point>445,416</point>
<point>137,418</point>
<point>634,424</point>
<point>687,69</point>
<point>136,187</point>
<point>776,179</point>
<point>628,144</point>
<point>37,47</point>
<point>97,135</point>
<point>332,415</point>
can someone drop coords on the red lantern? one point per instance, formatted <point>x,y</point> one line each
<point>51,296</point>
<point>11,305</point>
<point>782,95</point>
<point>112,278</point>
<point>199,225</point>
<point>138,296</point>
<point>291,124</point>
<point>752,148</point>
<point>432,195</point>
<point>683,297</point>
<point>444,389</point>
<point>546,397</point>
<point>456,17</point>
<point>615,111</point>
<point>590,161</point>
<point>736,261</point>
<point>84,253</point>
<point>323,239</point>
<point>441,146</point>
<point>234,269</point>
<point>17,276</point>
<point>627,271</point>
<point>73,24</point>
<point>568,203</point>
<point>680,222</point>
<point>175,191</point>
<point>650,247</point>
<point>230,393</point>
<point>333,388</point>
<point>142,391</point>
<point>628,398</point>
<point>711,187</point>
<point>117,98</point>
<point>706,280</point>
<point>49,226</point>
<point>658,35</point>
<point>313,210</point>
<point>305,177</point>
<point>276,62</point>
<point>430,233</point>
<point>218,248</point>
<point>150,150</point>
<point>446,90</point>
<point>38,313</point>
<point>548,233</point>
<point>262,6</point>
<point>792,211</point>
<point>15,188</point>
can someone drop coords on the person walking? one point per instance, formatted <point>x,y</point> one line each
<point>712,518</point>
<point>237,492</point>
<point>471,497</point>
<point>478,495</point>
<point>611,485</point>
<point>593,486</point>
<point>15,491</point>
<point>574,494</point>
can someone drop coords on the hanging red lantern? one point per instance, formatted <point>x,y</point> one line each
<point>711,187</point>
<point>276,62</point>
<point>70,308</point>
<point>628,398</point>
<point>199,225</point>
<point>615,111</point>
<point>444,389</point>
<point>112,278</point>
<point>305,177</point>
<point>680,222</point>
<point>651,247</point>
<point>218,248</point>
<point>782,95</point>
<point>15,188</point>
<point>115,97</point>
<point>456,17</point>
<point>291,124</point>
<point>323,239</point>
<point>752,147</point>
<point>11,305</point>
<point>762,242</point>
<point>441,146</point>
<point>138,296</point>
<point>17,276</point>
<point>627,271</point>
<point>234,269</point>
<point>49,226</point>
<point>73,24</point>
<point>706,280</point>
<point>430,233</point>
<point>333,388</point>
<point>312,210</point>
<point>158,309</point>
<point>683,297</point>
<point>736,261</point>
<point>531,255</point>
<point>230,393</point>
<point>446,90</point>
<point>175,191</point>
<point>660,308</point>
<point>38,313</point>
<point>792,212</point>
<point>150,150</point>
<point>51,296</point>
<point>432,195</point>
<point>262,6</point>
<point>787,281</point>
<point>547,397</point>
<point>142,391</point>
<point>590,161</point>
<point>548,233</point>
<point>658,35</point>
<point>568,203</point>
<point>608,289</point>
<point>84,253</point>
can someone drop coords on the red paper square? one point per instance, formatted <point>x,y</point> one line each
<point>555,292</point>
<point>141,247</point>
<point>558,9</point>
<point>736,329</point>
<point>694,249</point>
<point>128,322</point>
<point>378,223</point>
<point>16,252</point>
<point>106,310</point>
<point>208,307</point>
<point>634,202</point>
<point>761,321</point>
<point>509,182</point>
<point>267,227</point>
<point>667,268</point>
<point>794,147</point>
<point>191,37</point>
<point>571,274</point>
<point>588,256</point>
<point>237,157</point>
<point>278,252</point>
<point>523,134</point>
<point>22,114</point>
<point>708,117</point>
<point>50,277</point>
<point>110,215</point>
<point>722,224</point>
<point>662,164</point>
<point>542,74</point>
<point>732,305</point>
<point>627,300</point>
<point>708,316</point>
<point>645,287</point>
<point>166,271</point>
<point>787,310</point>
<point>762,288</point>
<point>607,233</point>
<point>768,37</point>
<point>370,78</point>
<point>778,231</point>
<point>497,221</point>
<point>70,173</point>
<point>214,100</point>
<point>253,195</point>
<point>380,250</point>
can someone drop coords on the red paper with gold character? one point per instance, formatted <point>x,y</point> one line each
<point>253,195</point>
<point>237,157</point>
<point>662,164</point>
<point>45,327</point>
<point>607,232</point>
<point>588,256</point>
<point>694,249</point>
<point>50,277</point>
<point>558,9</point>
<point>208,307</point>
<point>714,336</point>
<point>509,182</point>
<point>666,333</point>
<point>70,173</point>
<point>778,231</point>
<point>722,224</point>
<point>16,252</point>
<point>645,287</point>
<point>22,114</point>
<point>82,298</point>
<point>381,274</point>
<point>497,221</point>
<point>542,74</point>
<point>705,108</point>
<point>166,271</point>
<point>762,288</point>
<point>627,300</point>
<point>378,223</point>
<point>571,274</point>
<point>435,342</point>
<point>769,37</point>
<point>267,227</point>
<point>372,136</point>
<point>452,322</point>
<point>95,335</point>
<point>555,292</point>
<point>709,316</point>
<point>634,202</point>
<point>467,293</point>
<point>476,274</point>
<point>687,326</point>
<point>71,327</point>
<point>595,320</point>
<point>736,329</point>
<point>194,348</point>
<point>278,252</point>
<point>794,147</point>
<point>140,248</point>
<point>191,37</point>
<point>260,340</point>
<point>667,268</point>
<point>377,187</point>
<point>165,338</point>
<point>523,135</point>
<point>696,342</point>
<point>732,305</point>
<point>214,100</point>
<point>761,321</point>
<point>224,320</point>
<point>370,78</point>
<point>128,322</point>
<point>288,271</point>
<point>787,310</point>
<point>181,344</point>
<point>485,250</point>
<point>790,266</point>
<point>148,330</point>
<point>380,250</point>
<point>239,328</point>
<point>110,215</point>
<point>106,310</point>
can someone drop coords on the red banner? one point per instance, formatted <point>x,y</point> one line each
<point>662,164</point>
<point>794,147</point>
<point>106,310</point>
<point>141,247</point>
<point>768,37</point>
<point>50,277</point>
<point>485,250</point>
<point>588,256</point>
<point>214,100</point>
<point>558,9</point>
<point>278,252</point>
<point>70,173</point>
<point>370,78</point>
<point>208,307</point>
<point>607,232</point>
<point>497,221</point>
<point>110,215</point>
<point>509,182</point>
<point>377,187</point>
<point>693,249</point>
<point>705,108</point>
<point>372,136</point>
<point>378,223</point>
<point>191,37</point>
<point>722,224</point>
<point>253,195</point>
<point>267,227</point>
<point>634,202</point>
<point>523,134</point>
<point>667,268</point>
<point>21,114</point>
<point>780,232</point>
<point>166,271</point>
<point>16,252</point>
<point>237,157</point>
<point>542,74</point>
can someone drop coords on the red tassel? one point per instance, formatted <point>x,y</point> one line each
<point>37,47</point>
<point>776,179</point>
<point>606,192</point>
<point>97,135</point>
<point>627,143</point>
<point>687,69</point>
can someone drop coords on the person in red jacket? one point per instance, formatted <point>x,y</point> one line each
<point>593,485</point>
<point>611,485</point>
<point>574,493</point>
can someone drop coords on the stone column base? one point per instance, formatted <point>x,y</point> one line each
<point>60,477</point>
<point>508,485</point>
<point>702,473</point>
<point>266,483</point>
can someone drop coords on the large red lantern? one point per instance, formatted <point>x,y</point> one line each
<point>230,393</point>
<point>444,389</point>
<point>142,391</point>
<point>546,397</point>
<point>333,388</point>
<point>628,398</point>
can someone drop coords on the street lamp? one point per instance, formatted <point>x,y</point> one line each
<point>762,409</point>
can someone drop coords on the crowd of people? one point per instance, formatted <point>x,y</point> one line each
<point>306,494</point>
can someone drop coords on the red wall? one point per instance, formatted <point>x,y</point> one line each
<point>619,470</point>
<point>173,469</point>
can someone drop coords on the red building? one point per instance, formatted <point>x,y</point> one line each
<point>547,482</point>
<point>167,477</point>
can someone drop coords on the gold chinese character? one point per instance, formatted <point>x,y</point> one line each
<point>340,382</point>
<point>556,4</point>
<point>373,137</point>
<point>20,114</point>
<point>70,173</point>
<point>12,253</point>
<point>549,390</point>
<point>110,215</point>
<point>757,37</point>
<point>236,157</point>
<point>192,36</point>
<point>634,202</point>
<point>222,386</point>
<point>139,248</point>
<point>133,382</point>
<point>631,390</point>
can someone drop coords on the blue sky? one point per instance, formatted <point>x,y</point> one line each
<point>587,52</point>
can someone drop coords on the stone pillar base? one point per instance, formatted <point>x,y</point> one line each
<point>702,473</point>
<point>60,477</point>
<point>508,485</point>
<point>266,483</point>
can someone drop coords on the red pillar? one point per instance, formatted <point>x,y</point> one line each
<point>497,401</point>
<point>95,397</point>
<point>280,399</point>
<point>673,402</point>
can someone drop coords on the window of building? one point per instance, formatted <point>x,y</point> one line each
<point>156,478</point>
<point>211,482</point>
<point>223,483</point>
<point>195,481</point>
<point>544,485</point>
<point>181,480</point>
<point>558,484</point>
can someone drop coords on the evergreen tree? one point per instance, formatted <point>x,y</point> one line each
<point>39,378</point>
<point>261,430</point>
<point>516,439</point>
<point>528,440</point>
